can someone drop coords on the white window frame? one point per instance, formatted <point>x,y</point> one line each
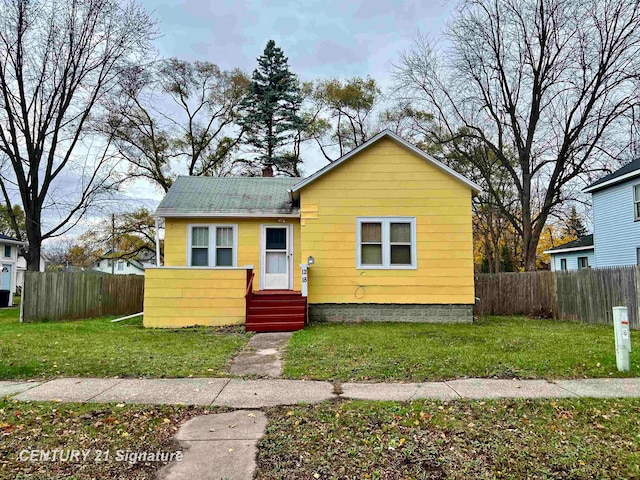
<point>4,253</point>
<point>636,201</point>
<point>120,265</point>
<point>212,244</point>
<point>386,243</point>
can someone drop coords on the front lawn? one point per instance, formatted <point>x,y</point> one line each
<point>96,429</point>
<point>99,348</point>
<point>569,438</point>
<point>503,347</point>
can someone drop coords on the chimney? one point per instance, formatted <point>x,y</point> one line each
<point>267,171</point>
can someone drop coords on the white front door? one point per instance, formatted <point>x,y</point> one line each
<point>276,257</point>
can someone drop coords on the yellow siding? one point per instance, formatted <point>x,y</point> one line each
<point>175,249</point>
<point>388,180</point>
<point>194,296</point>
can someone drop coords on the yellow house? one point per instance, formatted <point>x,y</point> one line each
<point>382,234</point>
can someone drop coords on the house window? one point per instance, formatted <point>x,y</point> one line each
<point>583,262</point>
<point>563,264</point>
<point>7,251</point>
<point>386,242</point>
<point>200,246</point>
<point>638,256</point>
<point>224,247</point>
<point>213,246</point>
<point>636,201</point>
<point>120,265</point>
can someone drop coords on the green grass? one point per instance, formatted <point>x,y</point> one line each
<point>99,348</point>
<point>47,426</point>
<point>542,439</point>
<point>503,347</point>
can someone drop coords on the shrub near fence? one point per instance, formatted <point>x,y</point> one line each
<point>58,296</point>
<point>586,295</point>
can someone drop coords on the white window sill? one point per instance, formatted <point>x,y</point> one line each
<point>382,267</point>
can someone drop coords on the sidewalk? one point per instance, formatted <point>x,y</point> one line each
<point>239,393</point>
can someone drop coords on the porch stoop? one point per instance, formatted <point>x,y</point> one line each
<point>275,311</point>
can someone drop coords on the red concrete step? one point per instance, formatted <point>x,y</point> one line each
<point>274,327</point>
<point>283,310</point>
<point>267,318</point>
<point>278,303</point>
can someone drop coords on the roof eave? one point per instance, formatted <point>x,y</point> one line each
<point>223,214</point>
<point>14,242</point>
<point>612,182</point>
<point>570,249</point>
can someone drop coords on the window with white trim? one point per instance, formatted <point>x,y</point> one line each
<point>212,246</point>
<point>386,242</point>
<point>636,202</point>
<point>120,265</point>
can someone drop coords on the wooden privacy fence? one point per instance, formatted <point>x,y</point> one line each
<point>586,295</point>
<point>73,295</point>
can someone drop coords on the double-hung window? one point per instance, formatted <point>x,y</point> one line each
<point>386,242</point>
<point>636,202</point>
<point>212,246</point>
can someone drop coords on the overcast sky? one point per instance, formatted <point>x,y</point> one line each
<point>329,38</point>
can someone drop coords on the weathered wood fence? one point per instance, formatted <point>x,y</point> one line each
<point>72,295</point>
<point>586,295</point>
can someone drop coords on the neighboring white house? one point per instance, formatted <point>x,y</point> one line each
<point>21,267</point>
<point>9,247</point>
<point>130,266</point>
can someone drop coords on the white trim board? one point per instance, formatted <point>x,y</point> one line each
<point>177,267</point>
<point>204,214</point>
<point>403,143</point>
<point>613,181</point>
<point>567,250</point>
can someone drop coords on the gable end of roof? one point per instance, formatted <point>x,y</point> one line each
<point>475,188</point>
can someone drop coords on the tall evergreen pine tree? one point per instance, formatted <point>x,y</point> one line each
<point>270,111</point>
<point>575,226</point>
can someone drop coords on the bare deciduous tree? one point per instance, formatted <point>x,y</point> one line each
<point>58,62</point>
<point>551,82</point>
<point>341,114</point>
<point>176,115</point>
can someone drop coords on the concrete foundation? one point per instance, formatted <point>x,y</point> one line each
<point>395,312</point>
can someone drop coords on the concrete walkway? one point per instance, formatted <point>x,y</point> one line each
<point>239,393</point>
<point>262,357</point>
<point>219,446</point>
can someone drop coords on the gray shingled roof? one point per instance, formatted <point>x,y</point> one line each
<point>586,241</point>
<point>227,195</point>
<point>628,168</point>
